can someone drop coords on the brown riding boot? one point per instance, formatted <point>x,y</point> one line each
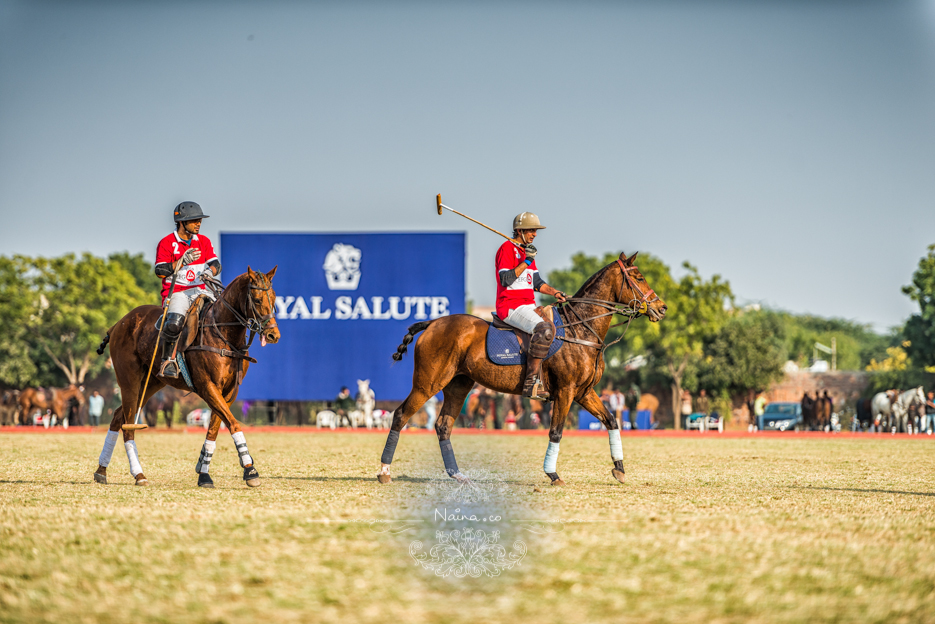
<point>538,350</point>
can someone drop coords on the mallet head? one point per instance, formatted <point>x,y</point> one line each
<point>438,202</point>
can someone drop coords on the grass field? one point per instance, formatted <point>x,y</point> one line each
<point>707,529</point>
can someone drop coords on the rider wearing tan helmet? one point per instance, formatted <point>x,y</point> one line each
<point>517,281</point>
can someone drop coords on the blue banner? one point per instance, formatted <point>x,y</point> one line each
<point>343,304</point>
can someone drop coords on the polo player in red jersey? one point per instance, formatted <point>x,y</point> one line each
<point>198,256</point>
<point>517,281</point>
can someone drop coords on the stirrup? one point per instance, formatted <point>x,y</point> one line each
<point>169,369</point>
<point>536,390</point>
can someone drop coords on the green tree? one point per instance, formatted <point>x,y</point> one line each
<point>142,272</point>
<point>920,328</point>
<point>697,311</point>
<point>746,354</point>
<point>75,301</point>
<point>16,366</point>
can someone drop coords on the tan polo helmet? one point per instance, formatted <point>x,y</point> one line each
<point>527,221</point>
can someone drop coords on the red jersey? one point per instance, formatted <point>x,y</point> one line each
<point>522,290</point>
<point>171,248</point>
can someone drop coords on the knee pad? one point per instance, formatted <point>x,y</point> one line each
<point>173,326</point>
<point>541,339</point>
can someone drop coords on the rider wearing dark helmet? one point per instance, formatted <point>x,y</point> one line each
<point>198,256</point>
<point>517,280</point>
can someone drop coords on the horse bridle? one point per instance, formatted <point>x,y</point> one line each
<point>254,322</point>
<point>632,309</point>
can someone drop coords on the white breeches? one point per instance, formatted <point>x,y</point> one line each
<point>524,318</point>
<point>181,301</point>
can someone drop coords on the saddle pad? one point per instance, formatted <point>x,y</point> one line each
<point>183,368</point>
<point>503,345</point>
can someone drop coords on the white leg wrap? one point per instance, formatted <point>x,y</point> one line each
<point>204,460</point>
<point>551,458</point>
<point>108,451</point>
<point>240,441</point>
<point>134,458</point>
<point>616,447</point>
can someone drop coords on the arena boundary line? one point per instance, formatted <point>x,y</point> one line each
<point>665,433</point>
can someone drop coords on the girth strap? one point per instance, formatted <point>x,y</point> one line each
<point>224,352</point>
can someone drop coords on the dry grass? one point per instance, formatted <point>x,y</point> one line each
<point>728,530</point>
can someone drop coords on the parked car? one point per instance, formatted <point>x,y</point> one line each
<point>781,417</point>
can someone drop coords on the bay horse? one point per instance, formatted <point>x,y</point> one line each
<point>217,364</point>
<point>9,408</point>
<point>450,355</point>
<point>57,401</point>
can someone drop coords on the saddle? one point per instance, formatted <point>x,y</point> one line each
<point>508,346</point>
<point>192,320</point>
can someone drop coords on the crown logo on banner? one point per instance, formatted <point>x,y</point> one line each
<point>342,267</point>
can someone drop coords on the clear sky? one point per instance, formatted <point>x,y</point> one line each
<point>788,146</point>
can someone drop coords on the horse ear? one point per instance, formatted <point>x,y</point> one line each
<point>249,271</point>
<point>632,258</point>
<point>271,273</point>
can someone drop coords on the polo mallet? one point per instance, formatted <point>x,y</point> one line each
<point>438,202</point>
<point>137,425</point>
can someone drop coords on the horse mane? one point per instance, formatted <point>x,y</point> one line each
<point>583,291</point>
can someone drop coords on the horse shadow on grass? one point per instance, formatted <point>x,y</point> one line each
<point>401,478</point>
<point>862,490</point>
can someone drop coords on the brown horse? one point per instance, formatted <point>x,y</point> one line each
<point>57,401</point>
<point>217,364</point>
<point>9,407</point>
<point>451,356</point>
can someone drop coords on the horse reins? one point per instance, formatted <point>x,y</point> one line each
<point>632,309</point>
<point>254,322</point>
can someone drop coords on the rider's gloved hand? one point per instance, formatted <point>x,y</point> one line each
<point>530,250</point>
<point>190,256</point>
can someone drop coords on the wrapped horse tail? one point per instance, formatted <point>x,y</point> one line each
<point>103,345</point>
<point>413,330</point>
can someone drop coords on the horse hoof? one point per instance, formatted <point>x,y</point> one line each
<point>205,481</point>
<point>100,478</point>
<point>251,476</point>
<point>384,478</point>
<point>141,480</point>
<point>558,482</point>
<point>618,475</point>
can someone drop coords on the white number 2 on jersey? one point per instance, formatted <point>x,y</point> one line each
<point>175,249</point>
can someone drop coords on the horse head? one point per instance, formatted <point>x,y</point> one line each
<point>636,293</point>
<point>260,305</point>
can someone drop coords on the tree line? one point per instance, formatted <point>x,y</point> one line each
<point>54,312</point>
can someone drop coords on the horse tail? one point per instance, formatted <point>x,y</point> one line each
<point>100,349</point>
<point>413,330</point>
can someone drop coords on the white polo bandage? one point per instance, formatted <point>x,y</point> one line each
<point>240,441</point>
<point>134,458</point>
<point>108,451</point>
<point>551,458</point>
<point>616,447</point>
<point>204,460</point>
